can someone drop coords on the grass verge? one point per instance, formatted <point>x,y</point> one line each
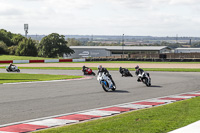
<point>21,77</point>
<point>13,57</point>
<point>160,119</point>
<point>150,62</point>
<point>116,69</point>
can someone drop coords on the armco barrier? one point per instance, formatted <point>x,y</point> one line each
<point>99,59</point>
<point>78,60</point>
<point>145,59</point>
<point>53,60</point>
<point>36,61</point>
<point>39,61</point>
<point>20,61</point>
<point>8,61</point>
<point>65,60</point>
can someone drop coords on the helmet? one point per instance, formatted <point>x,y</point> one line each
<point>137,67</point>
<point>100,67</point>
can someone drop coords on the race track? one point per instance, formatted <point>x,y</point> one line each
<point>19,102</point>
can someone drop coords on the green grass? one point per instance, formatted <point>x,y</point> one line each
<point>173,69</point>
<point>142,62</point>
<point>21,77</point>
<point>12,57</point>
<point>160,119</point>
<point>117,69</point>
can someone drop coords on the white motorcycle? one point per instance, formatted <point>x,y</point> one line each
<point>13,68</point>
<point>145,78</point>
<point>106,82</point>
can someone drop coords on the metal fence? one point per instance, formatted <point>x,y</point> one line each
<point>167,56</point>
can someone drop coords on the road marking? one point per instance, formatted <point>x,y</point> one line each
<point>31,82</point>
<point>52,122</point>
<point>75,117</point>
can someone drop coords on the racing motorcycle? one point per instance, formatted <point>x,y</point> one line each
<point>12,68</point>
<point>88,71</point>
<point>145,78</point>
<point>106,82</point>
<point>125,72</point>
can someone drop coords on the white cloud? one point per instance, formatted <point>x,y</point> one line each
<point>134,17</point>
<point>190,2</point>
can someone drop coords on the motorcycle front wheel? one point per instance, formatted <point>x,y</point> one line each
<point>147,82</point>
<point>114,88</point>
<point>93,73</point>
<point>105,86</point>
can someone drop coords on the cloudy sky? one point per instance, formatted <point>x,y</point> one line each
<point>102,17</point>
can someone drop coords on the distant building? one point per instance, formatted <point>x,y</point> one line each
<point>187,50</point>
<point>102,51</point>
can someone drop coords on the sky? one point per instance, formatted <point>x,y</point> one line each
<point>102,17</point>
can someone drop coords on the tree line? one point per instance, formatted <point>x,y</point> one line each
<point>52,46</point>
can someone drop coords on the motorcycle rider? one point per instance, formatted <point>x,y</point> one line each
<point>121,70</point>
<point>125,72</point>
<point>84,68</point>
<point>138,71</point>
<point>105,71</point>
<point>10,66</point>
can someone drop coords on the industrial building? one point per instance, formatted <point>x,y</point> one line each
<point>103,51</point>
<point>187,50</point>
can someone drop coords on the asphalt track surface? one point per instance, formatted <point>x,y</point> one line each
<point>20,102</point>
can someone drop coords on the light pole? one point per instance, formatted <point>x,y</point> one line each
<point>26,29</point>
<point>123,45</point>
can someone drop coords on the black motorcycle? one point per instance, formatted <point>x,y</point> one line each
<point>125,72</point>
<point>12,68</point>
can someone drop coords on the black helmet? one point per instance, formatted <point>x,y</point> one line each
<point>137,67</point>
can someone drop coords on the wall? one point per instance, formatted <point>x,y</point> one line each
<point>85,53</point>
<point>189,50</point>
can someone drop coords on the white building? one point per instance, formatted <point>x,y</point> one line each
<point>187,50</point>
<point>102,51</point>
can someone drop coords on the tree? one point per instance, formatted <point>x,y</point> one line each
<point>53,45</point>
<point>3,48</point>
<point>17,38</point>
<point>12,50</point>
<point>196,45</point>
<point>73,42</point>
<point>6,37</point>
<point>26,48</point>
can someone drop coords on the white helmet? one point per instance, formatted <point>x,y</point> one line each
<point>100,67</point>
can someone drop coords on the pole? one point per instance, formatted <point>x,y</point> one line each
<point>26,29</point>
<point>123,46</point>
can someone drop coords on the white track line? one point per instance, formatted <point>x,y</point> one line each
<point>130,104</point>
<point>31,82</point>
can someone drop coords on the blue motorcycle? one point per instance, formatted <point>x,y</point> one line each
<point>106,82</point>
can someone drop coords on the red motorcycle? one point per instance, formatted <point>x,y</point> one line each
<point>87,71</point>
